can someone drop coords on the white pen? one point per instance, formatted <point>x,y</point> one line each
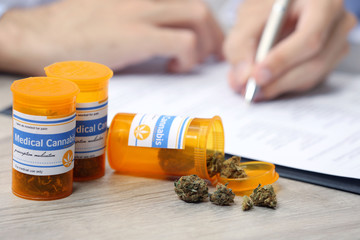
<point>268,38</point>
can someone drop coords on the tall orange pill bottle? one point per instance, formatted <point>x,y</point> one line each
<point>161,145</point>
<point>43,137</point>
<point>91,122</point>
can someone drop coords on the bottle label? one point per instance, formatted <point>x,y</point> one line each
<point>43,145</point>
<point>91,126</point>
<point>158,131</point>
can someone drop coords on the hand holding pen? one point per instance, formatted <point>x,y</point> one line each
<point>311,41</point>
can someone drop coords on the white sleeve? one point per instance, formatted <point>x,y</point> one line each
<point>8,4</point>
<point>3,9</point>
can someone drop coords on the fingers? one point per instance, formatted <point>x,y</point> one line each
<point>193,15</point>
<point>309,74</point>
<point>241,43</point>
<point>218,36</point>
<point>315,23</point>
<point>238,76</point>
<point>252,17</point>
<point>177,44</point>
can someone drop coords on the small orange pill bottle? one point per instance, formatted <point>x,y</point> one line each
<point>44,121</point>
<point>91,108</point>
<point>162,146</point>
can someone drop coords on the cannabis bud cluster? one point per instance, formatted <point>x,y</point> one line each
<point>194,189</point>
<point>177,162</point>
<point>214,163</point>
<point>191,189</point>
<point>222,196</point>
<point>262,197</point>
<point>229,168</point>
<point>247,203</point>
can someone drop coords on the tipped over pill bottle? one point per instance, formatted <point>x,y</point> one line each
<point>91,109</point>
<point>161,145</point>
<point>44,120</point>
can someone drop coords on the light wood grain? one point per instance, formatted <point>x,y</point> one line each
<point>129,207</point>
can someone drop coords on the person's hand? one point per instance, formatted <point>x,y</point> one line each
<point>116,33</point>
<point>312,41</point>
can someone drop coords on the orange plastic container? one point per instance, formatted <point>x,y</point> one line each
<point>92,79</point>
<point>43,137</point>
<point>201,137</point>
<point>129,153</point>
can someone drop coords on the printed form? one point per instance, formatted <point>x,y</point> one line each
<point>318,131</point>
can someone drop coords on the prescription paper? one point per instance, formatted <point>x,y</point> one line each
<point>318,131</point>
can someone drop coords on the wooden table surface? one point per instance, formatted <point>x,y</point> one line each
<point>119,207</point>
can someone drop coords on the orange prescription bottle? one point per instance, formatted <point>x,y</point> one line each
<point>161,146</point>
<point>91,108</point>
<point>43,137</point>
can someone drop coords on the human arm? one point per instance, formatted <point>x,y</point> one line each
<point>116,33</point>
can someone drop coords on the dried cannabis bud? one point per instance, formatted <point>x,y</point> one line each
<point>222,196</point>
<point>231,168</point>
<point>264,196</point>
<point>191,189</point>
<point>214,163</point>
<point>175,161</point>
<point>42,186</point>
<point>89,168</point>
<point>247,203</point>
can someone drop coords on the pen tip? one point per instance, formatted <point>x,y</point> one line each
<point>250,90</point>
<point>248,98</point>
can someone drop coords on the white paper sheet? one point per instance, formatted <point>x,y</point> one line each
<point>318,131</point>
<point>354,35</point>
